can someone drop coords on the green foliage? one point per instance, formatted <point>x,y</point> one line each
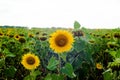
<point>108,75</point>
<point>48,77</point>
<point>76,25</point>
<point>91,46</point>
<point>2,62</point>
<point>10,72</point>
<point>52,65</point>
<point>7,53</point>
<point>29,77</point>
<point>32,75</point>
<point>113,53</point>
<point>80,44</point>
<point>68,70</point>
<point>54,77</point>
<point>63,56</point>
<point>114,64</point>
<point>118,54</point>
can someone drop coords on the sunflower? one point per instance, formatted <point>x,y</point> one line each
<point>61,41</point>
<point>16,37</point>
<point>92,41</point>
<point>1,34</point>
<point>112,45</point>
<point>99,66</point>
<point>78,33</point>
<point>22,40</point>
<point>30,61</point>
<point>43,38</point>
<point>21,35</point>
<point>10,35</point>
<point>116,35</point>
<point>30,35</point>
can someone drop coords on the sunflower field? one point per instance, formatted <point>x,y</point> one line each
<point>59,53</point>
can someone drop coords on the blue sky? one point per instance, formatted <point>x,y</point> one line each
<point>60,13</point>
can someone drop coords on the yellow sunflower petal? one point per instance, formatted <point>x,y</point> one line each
<point>30,61</point>
<point>99,66</point>
<point>61,41</point>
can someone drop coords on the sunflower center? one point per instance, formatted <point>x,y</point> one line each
<point>30,60</point>
<point>17,36</point>
<point>1,34</point>
<point>61,40</point>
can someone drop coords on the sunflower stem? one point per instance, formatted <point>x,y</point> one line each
<point>32,75</point>
<point>59,67</point>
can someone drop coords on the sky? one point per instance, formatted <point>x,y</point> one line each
<point>60,13</point>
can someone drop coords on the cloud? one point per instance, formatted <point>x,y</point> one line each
<point>60,13</point>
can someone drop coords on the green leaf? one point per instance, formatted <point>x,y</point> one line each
<point>68,70</point>
<point>8,54</point>
<point>28,77</point>
<point>79,44</point>
<point>113,53</point>
<point>32,75</point>
<point>57,77</point>
<point>52,65</point>
<point>43,53</point>
<point>77,62</point>
<point>76,25</point>
<point>48,77</point>
<point>107,75</point>
<point>36,73</point>
<point>2,62</point>
<point>10,72</point>
<point>44,44</point>
<point>54,77</point>
<point>118,54</point>
<point>63,56</point>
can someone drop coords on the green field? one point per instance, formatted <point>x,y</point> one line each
<point>95,54</point>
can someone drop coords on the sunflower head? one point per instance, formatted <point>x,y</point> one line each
<point>31,35</point>
<point>16,37</point>
<point>1,34</point>
<point>37,33</point>
<point>92,41</point>
<point>112,44</point>
<point>2,55</point>
<point>99,66</point>
<point>44,34</point>
<point>116,35</point>
<point>61,41</point>
<point>30,61</point>
<point>10,35</point>
<point>43,38</point>
<point>22,40</point>
<point>78,33</point>
<point>21,34</point>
